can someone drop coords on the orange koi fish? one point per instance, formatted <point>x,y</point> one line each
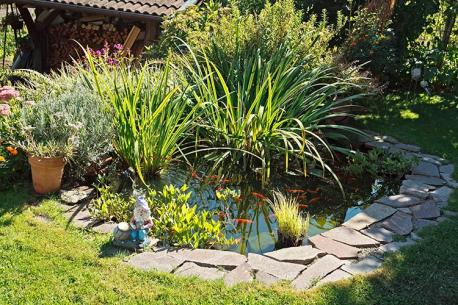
<point>315,191</point>
<point>259,195</point>
<point>302,197</point>
<point>295,191</point>
<point>260,203</point>
<point>314,200</point>
<point>243,221</point>
<point>302,206</point>
<point>238,199</point>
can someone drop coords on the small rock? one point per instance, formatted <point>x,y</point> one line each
<point>412,148</point>
<point>155,260</point>
<point>241,274</point>
<point>206,273</point>
<point>104,228</point>
<point>334,276</point>
<point>414,236</point>
<point>399,201</point>
<point>399,223</point>
<point>379,233</point>
<point>76,195</point>
<point>435,181</point>
<point>427,210</point>
<point>395,246</point>
<point>374,213</point>
<point>350,237</point>
<point>298,255</point>
<point>281,270</point>
<point>266,278</point>
<point>369,264</point>
<point>316,271</point>
<point>442,193</point>
<point>426,169</point>
<point>333,247</point>
<point>421,223</point>
<point>447,169</point>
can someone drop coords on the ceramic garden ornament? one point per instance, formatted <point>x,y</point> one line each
<point>134,235</point>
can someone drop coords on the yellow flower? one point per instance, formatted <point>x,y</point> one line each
<point>2,159</point>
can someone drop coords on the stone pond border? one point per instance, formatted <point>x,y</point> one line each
<point>356,247</point>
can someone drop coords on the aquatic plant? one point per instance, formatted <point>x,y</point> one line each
<point>292,226</point>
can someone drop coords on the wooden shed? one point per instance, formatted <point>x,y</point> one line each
<point>54,26</point>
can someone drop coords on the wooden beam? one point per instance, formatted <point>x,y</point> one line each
<point>48,19</point>
<point>29,23</point>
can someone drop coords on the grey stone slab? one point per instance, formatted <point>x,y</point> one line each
<point>417,184</point>
<point>414,191</point>
<point>378,145</point>
<point>76,195</point>
<point>379,233</point>
<point>241,274</point>
<point>334,276</point>
<point>225,259</point>
<point>333,247</point>
<point>369,264</point>
<point>427,210</point>
<point>447,169</point>
<point>104,228</point>
<point>298,255</point>
<point>350,237</point>
<point>266,278</point>
<point>437,158</point>
<point>80,219</point>
<point>399,201</point>
<point>405,210</point>
<point>395,246</point>
<point>408,147</point>
<point>427,158</point>
<point>155,260</point>
<point>281,270</point>
<point>399,223</point>
<point>449,213</point>
<point>316,271</point>
<point>206,273</point>
<point>427,180</point>
<point>374,213</point>
<point>414,236</point>
<point>381,138</point>
<point>426,169</point>
<point>421,223</point>
<point>442,193</point>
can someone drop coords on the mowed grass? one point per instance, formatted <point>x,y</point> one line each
<point>43,261</point>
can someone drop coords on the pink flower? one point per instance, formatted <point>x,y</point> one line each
<point>118,47</point>
<point>5,110</point>
<point>7,93</point>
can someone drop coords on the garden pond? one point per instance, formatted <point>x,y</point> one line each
<point>248,217</point>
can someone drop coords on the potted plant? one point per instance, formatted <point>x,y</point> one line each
<point>292,226</point>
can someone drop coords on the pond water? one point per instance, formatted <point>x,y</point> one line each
<point>250,220</point>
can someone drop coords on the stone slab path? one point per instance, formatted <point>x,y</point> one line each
<point>358,246</point>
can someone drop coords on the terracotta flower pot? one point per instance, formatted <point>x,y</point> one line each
<point>47,173</point>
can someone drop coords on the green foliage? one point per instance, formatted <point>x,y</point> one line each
<point>111,206</point>
<point>291,224</point>
<point>151,112</point>
<point>379,163</point>
<point>178,224</point>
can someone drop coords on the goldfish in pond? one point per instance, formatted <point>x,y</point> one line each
<point>302,197</point>
<point>243,221</point>
<point>226,181</point>
<point>195,175</point>
<point>302,206</point>
<point>295,191</point>
<point>315,191</point>
<point>213,177</point>
<point>260,203</point>
<point>314,200</point>
<point>238,199</point>
<point>259,195</point>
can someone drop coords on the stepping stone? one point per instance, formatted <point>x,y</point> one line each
<point>334,276</point>
<point>225,259</point>
<point>427,158</point>
<point>241,274</point>
<point>369,264</point>
<point>447,169</point>
<point>206,273</point>
<point>379,233</point>
<point>379,145</point>
<point>299,255</point>
<point>413,191</point>
<point>266,278</point>
<point>388,139</point>
<point>104,228</point>
<point>316,271</point>
<point>408,147</point>
<point>421,223</point>
<point>437,158</point>
<point>399,201</point>
<point>417,184</point>
<point>395,246</point>
<point>155,260</point>
<point>427,210</point>
<point>374,213</point>
<point>427,180</point>
<point>76,195</point>
<point>333,247</point>
<point>399,223</point>
<point>426,169</point>
<point>82,219</point>
<point>405,210</point>
<point>442,193</point>
<point>281,270</point>
<point>350,237</point>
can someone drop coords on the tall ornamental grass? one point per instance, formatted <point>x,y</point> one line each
<point>152,115</point>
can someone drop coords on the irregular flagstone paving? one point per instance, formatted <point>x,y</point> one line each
<point>357,246</point>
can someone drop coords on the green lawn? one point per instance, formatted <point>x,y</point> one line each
<point>44,262</point>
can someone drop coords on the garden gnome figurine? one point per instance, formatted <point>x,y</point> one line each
<point>134,235</point>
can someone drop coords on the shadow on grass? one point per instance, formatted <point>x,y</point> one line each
<point>109,250</point>
<point>16,198</point>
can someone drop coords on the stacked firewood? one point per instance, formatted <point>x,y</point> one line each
<point>63,38</point>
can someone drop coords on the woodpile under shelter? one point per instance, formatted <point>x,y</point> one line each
<point>54,26</point>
